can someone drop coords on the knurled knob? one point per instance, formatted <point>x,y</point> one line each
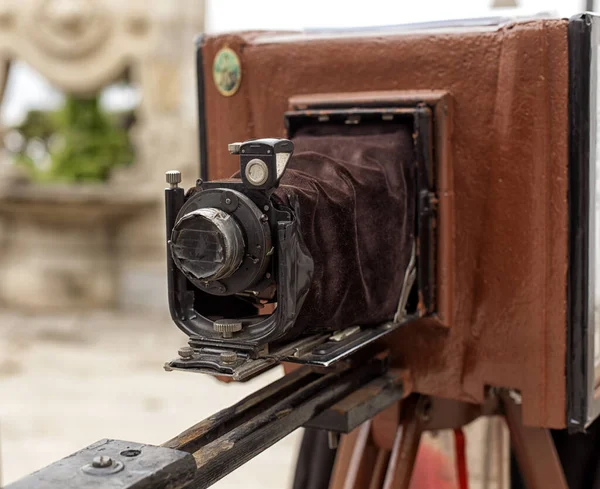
<point>173,177</point>
<point>228,357</point>
<point>227,327</point>
<point>186,352</point>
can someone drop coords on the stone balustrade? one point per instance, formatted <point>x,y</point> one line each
<point>78,246</point>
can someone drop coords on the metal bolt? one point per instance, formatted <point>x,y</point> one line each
<point>186,352</point>
<point>173,178</point>
<point>228,357</point>
<point>227,327</point>
<point>266,207</point>
<point>228,201</point>
<point>102,462</point>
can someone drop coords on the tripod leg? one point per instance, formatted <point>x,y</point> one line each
<point>404,452</point>
<point>315,461</point>
<point>534,450</point>
<point>380,469</point>
<point>363,456</point>
<point>356,460</point>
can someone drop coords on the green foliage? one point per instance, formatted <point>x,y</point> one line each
<point>78,143</point>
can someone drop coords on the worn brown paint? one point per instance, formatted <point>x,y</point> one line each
<point>509,87</point>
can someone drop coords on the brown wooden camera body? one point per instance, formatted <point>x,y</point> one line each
<point>502,160</point>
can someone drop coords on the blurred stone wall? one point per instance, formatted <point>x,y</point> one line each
<point>64,247</point>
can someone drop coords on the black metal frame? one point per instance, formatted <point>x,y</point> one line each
<point>584,40</point>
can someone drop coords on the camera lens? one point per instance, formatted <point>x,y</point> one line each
<point>208,244</point>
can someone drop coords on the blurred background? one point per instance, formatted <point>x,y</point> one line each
<point>98,100</point>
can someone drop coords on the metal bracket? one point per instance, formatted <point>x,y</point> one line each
<point>320,350</point>
<point>115,464</point>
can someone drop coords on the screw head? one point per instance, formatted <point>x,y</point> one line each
<point>228,357</point>
<point>173,177</point>
<point>186,352</point>
<point>102,462</point>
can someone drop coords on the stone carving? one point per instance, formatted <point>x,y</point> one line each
<point>69,28</point>
<point>111,238</point>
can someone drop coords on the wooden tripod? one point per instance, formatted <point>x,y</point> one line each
<point>381,453</point>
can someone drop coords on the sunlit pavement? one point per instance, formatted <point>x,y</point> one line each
<point>67,381</point>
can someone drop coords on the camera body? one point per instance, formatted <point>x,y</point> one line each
<point>224,237</point>
<point>262,273</point>
<point>500,287</point>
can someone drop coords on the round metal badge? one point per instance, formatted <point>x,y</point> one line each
<point>227,72</point>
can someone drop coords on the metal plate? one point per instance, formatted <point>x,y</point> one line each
<point>329,352</point>
<point>143,467</point>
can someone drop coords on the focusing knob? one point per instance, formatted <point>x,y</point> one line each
<point>173,178</point>
<point>227,327</point>
<point>208,244</point>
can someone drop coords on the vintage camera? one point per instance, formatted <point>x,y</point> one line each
<point>421,229</point>
<point>496,287</point>
<point>229,244</point>
<point>306,257</point>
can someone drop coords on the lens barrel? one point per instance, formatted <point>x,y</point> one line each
<point>209,244</point>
